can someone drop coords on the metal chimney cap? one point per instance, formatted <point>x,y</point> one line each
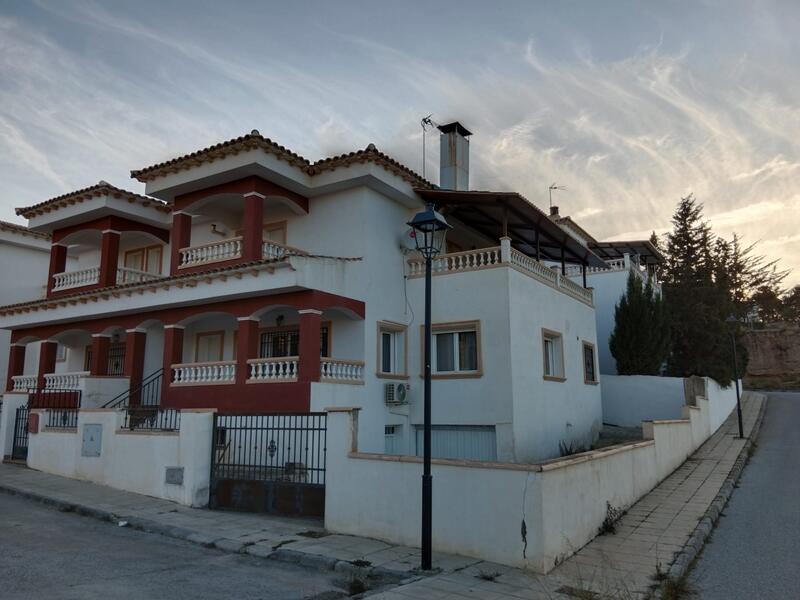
<point>455,126</point>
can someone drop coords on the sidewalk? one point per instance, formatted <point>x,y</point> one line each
<point>618,566</point>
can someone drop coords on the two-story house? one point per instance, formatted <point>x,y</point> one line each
<point>249,279</point>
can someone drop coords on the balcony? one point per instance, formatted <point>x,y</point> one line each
<point>266,370</point>
<point>91,276</point>
<point>204,373</point>
<point>228,250</point>
<point>499,256</point>
<point>23,383</point>
<point>64,381</point>
<point>627,263</point>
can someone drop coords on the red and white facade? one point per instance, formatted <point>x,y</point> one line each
<point>261,282</point>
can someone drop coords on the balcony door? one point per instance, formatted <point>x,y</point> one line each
<point>209,346</point>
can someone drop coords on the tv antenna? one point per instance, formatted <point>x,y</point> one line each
<point>552,187</point>
<point>426,123</point>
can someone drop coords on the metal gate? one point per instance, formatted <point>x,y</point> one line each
<point>19,449</point>
<point>271,463</point>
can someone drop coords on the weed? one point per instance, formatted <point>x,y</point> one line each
<point>676,589</point>
<point>751,449</point>
<point>360,562</point>
<point>570,449</point>
<point>609,524</point>
<point>488,575</point>
<point>659,575</point>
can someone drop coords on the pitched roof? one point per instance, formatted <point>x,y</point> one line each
<point>22,230</point>
<point>99,189</point>
<point>568,222</point>
<point>254,140</point>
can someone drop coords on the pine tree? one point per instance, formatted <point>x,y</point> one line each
<point>640,340</point>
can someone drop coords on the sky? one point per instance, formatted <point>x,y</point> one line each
<point>629,105</point>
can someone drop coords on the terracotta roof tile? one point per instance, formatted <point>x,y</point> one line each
<point>99,189</point>
<point>22,230</point>
<point>255,140</point>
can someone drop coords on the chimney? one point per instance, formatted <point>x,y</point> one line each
<point>554,212</point>
<point>454,157</point>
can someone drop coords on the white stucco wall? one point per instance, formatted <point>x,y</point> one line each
<point>131,461</point>
<point>609,287</point>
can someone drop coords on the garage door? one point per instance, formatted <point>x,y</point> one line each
<point>466,442</point>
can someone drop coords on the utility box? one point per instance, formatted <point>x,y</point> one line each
<point>92,439</point>
<point>174,475</point>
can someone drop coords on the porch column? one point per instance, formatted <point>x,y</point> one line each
<point>253,226</point>
<point>100,344</point>
<point>309,345</point>
<point>134,361</point>
<point>58,263</point>
<point>246,346</point>
<point>109,258</point>
<point>16,363</point>
<point>173,349</point>
<point>47,360</point>
<point>181,237</point>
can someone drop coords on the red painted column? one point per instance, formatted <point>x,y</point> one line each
<point>58,263</point>
<point>246,346</point>
<point>181,237</point>
<point>109,258</point>
<point>253,226</point>
<point>99,365</point>
<point>309,345</point>
<point>47,360</point>
<point>173,354</point>
<point>134,361</point>
<point>16,363</point>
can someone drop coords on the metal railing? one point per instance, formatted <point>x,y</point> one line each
<point>147,393</point>
<point>62,405</point>
<point>151,418</point>
<point>271,447</point>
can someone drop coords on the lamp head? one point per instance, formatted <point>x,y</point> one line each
<point>430,229</point>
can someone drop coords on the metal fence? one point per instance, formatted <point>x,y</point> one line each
<point>151,418</point>
<point>19,446</point>
<point>62,406</point>
<point>271,447</point>
<point>66,418</point>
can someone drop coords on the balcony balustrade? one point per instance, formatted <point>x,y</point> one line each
<point>486,258</point>
<point>342,371</point>
<point>73,279</point>
<point>222,250</point>
<point>128,275</point>
<point>274,369</point>
<point>64,381</point>
<point>23,383</point>
<point>223,371</point>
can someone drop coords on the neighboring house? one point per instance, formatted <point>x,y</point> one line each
<point>608,284</point>
<point>24,255</point>
<point>261,282</point>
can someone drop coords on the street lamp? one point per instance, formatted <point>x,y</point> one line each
<point>430,229</point>
<point>732,323</point>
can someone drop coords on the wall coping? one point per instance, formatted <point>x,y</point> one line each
<point>446,462</point>
<point>139,432</point>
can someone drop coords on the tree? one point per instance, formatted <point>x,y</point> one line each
<point>790,306</point>
<point>640,340</point>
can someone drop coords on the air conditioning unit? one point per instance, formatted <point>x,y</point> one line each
<point>395,393</point>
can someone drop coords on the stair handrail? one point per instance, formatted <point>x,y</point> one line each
<point>119,400</point>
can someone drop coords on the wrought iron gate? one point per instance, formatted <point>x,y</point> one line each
<point>19,449</point>
<point>272,463</point>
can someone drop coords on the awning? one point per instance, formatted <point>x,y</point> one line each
<point>648,254</point>
<point>488,212</point>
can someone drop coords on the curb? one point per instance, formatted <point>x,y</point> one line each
<point>318,562</point>
<point>697,540</point>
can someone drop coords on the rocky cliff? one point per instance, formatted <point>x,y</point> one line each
<point>774,357</point>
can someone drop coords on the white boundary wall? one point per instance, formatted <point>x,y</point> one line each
<point>479,507</point>
<point>630,399</point>
<point>131,461</point>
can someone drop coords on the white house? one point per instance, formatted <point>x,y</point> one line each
<point>259,281</point>
<point>25,255</point>
<point>623,257</point>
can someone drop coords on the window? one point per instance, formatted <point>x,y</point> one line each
<point>553,348</point>
<point>144,259</point>
<point>61,352</point>
<point>209,346</point>
<point>392,350</point>
<point>277,342</point>
<point>455,350</point>
<point>393,439</point>
<point>589,369</point>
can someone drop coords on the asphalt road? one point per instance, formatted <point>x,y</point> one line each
<point>49,554</point>
<point>755,550</point>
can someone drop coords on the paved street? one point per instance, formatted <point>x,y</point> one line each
<point>755,550</point>
<point>51,554</point>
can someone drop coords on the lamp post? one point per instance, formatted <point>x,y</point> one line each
<point>732,323</point>
<point>430,229</point>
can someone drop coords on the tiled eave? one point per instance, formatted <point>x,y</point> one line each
<point>255,141</point>
<point>22,230</point>
<point>95,191</point>
<point>130,289</point>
